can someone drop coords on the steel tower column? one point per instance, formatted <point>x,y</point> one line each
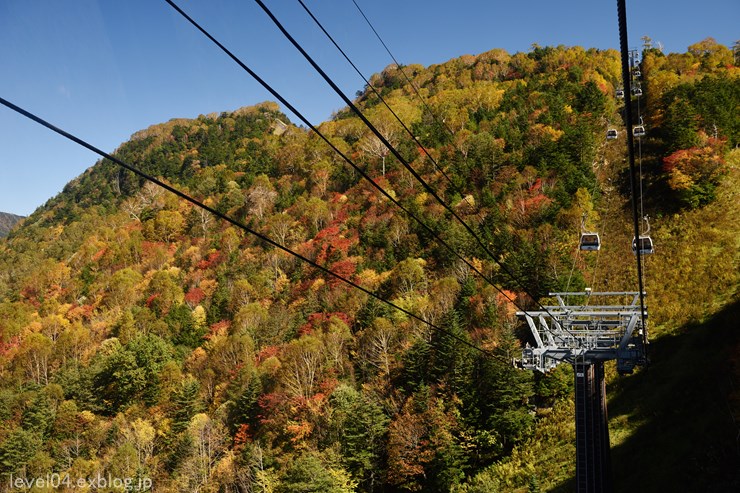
<point>593,460</point>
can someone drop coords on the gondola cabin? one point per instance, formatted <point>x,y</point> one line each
<point>637,74</point>
<point>643,245</point>
<point>620,93</point>
<point>636,91</point>
<point>590,242</point>
<point>638,131</point>
<point>611,134</point>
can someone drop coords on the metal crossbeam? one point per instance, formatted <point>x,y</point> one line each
<point>588,333</point>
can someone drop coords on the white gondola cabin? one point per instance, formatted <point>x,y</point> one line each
<point>620,93</point>
<point>636,91</point>
<point>643,245</point>
<point>590,242</point>
<point>638,131</point>
<point>611,134</point>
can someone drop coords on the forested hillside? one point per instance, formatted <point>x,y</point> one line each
<point>141,337</point>
<point>7,221</point>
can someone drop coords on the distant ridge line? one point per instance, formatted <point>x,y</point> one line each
<point>7,221</point>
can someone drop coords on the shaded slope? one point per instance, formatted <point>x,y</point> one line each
<point>677,424</point>
<point>7,221</point>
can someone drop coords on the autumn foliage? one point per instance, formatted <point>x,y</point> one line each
<point>142,337</point>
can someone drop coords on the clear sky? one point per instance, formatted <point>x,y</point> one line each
<point>104,69</point>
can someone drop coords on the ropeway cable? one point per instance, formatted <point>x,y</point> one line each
<point>622,20</point>
<point>377,93</point>
<point>398,65</point>
<point>391,148</point>
<point>238,224</point>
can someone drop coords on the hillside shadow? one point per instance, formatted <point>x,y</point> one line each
<point>681,412</point>
<point>567,486</point>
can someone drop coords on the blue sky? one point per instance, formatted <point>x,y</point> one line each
<point>105,69</point>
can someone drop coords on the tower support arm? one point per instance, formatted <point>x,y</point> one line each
<point>628,333</point>
<point>535,332</point>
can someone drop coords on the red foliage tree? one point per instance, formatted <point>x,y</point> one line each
<point>194,297</point>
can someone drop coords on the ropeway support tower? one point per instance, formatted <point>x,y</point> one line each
<point>586,335</point>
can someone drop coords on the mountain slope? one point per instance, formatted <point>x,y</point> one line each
<point>141,337</point>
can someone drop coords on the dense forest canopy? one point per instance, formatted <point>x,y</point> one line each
<point>140,337</point>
